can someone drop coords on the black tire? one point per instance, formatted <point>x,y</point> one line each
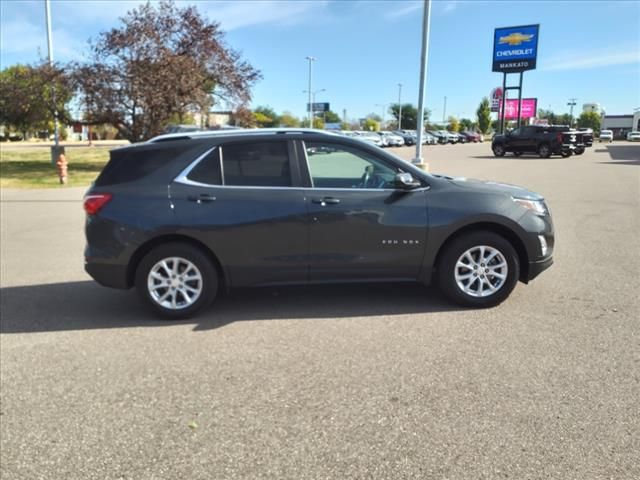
<point>544,150</point>
<point>566,154</point>
<point>208,272</point>
<point>579,151</point>
<point>446,268</point>
<point>499,150</point>
<point>517,154</point>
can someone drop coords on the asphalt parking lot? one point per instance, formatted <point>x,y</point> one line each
<point>382,381</point>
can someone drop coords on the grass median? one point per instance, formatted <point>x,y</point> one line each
<point>31,167</point>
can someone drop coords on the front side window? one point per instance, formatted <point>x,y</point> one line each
<point>259,164</point>
<point>337,166</point>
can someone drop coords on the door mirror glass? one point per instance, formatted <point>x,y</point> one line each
<point>405,181</point>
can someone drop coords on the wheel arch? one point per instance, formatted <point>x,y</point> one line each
<point>149,245</point>
<point>504,231</point>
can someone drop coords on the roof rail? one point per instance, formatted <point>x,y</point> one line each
<point>235,132</point>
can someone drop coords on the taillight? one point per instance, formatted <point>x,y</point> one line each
<point>559,137</point>
<point>93,203</point>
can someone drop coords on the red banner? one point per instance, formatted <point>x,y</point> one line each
<point>529,107</point>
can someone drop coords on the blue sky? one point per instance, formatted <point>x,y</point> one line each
<point>588,49</point>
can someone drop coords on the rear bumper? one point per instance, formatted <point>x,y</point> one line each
<point>108,275</point>
<point>536,268</point>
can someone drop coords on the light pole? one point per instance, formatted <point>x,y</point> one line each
<point>423,83</point>
<point>47,10</point>
<point>399,106</point>
<point>312,101</point>
<point>444,110</point>
<point>571,103</point>
<point>311,60</point>
<point>384,108</point>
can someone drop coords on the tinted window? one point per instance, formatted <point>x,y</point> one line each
<point>337,166</point>
<point>263,164</point>
<point>130,164</point>
<point>207,170</point>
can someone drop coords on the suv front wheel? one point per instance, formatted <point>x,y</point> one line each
<point>478,270</point>
<point>176,280</point>
<point>499,150</point>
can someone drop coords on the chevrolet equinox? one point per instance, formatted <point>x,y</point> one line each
<point>186,215</point>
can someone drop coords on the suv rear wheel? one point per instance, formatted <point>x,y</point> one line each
<point>544,150</point>
<point>176,280</point>
<point>478,270</point>
<point>498,150</point>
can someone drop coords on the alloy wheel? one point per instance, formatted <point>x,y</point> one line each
<point>174,283</point>
<point>481,271</point>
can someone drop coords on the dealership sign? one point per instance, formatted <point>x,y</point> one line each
<point>515,49</point>
<point>319,107</point>
<point>496,98</point>
<point>529,107</point>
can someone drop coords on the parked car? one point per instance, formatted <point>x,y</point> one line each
<point>461,138</point>
<point>186,216</point>
<point>429,139</point>
<point>409,138</point>
<point>633,136</point>
<point>442,138</point>
<point>451,138</point>
<point>392,139</point>
<point>606,136</point>
<point>587,140</point>
<point>545,140</point>
<point>371,137</point>
<point>471,136</point>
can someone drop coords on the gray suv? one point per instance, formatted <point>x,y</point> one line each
<point>185,216</point>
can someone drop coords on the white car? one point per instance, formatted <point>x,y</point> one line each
<point>633,136</point>
<point>392,140</point>
<point>371,137</point>
<point>606,136</point>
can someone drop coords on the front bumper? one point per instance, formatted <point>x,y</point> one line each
<point>536,268</point>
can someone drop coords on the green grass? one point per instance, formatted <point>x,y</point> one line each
<point>28,167</point>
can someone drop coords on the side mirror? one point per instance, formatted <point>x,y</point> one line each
<point>405,181</point>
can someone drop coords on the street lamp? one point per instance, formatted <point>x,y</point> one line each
<point>311,60</point>
<point>399,106</point>
<point>313,100</point>
<point>571,103</point>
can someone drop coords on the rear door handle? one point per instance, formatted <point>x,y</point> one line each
<point>202,198</point>
<point>326,201</point>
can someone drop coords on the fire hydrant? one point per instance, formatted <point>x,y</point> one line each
<point>62,166</point>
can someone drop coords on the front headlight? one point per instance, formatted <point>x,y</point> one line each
<point>537,206</point>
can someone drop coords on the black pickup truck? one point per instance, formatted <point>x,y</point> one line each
<point>545,140</point>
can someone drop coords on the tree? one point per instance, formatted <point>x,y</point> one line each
<point>27,97</point>
<point>548,115</point>
<point>331,117</point>
<point>289,120</point>
<point>162,60</point>
<point>266,117</point>
<point>318,123</point>
<point>409,115</point>
<point>244,117</point>
<point>484,115</point>
<point>454,124</point>
<point>466,125</point>
<point>371,125</point>
<point>589,120</point>
<point>375,117</point>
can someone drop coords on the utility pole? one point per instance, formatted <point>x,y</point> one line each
<point>399,106</point>
<point>384,107</point>
<point>313,100</point>
<point>344,115</point>
<point>56,136</point>
<point>572,103</point>
<point>444,110</point>
<point>424,56</point>
<point>310,106</point>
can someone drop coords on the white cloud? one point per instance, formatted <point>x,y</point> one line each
<point>450,6</point>
<point>587,59</point>
<point>410,7</point>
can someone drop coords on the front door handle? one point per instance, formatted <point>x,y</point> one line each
<point>326,201</point>
<point>202,198</point>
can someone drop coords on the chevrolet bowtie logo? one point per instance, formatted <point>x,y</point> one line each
<point>515,39</point>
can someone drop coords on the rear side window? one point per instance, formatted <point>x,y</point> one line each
<point>131,164</point>
<point>260,164</point>
<point>208,169</point>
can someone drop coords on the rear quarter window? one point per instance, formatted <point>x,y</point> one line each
<point>131,164</point>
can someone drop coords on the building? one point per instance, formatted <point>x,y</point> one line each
<point>620,125</point>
